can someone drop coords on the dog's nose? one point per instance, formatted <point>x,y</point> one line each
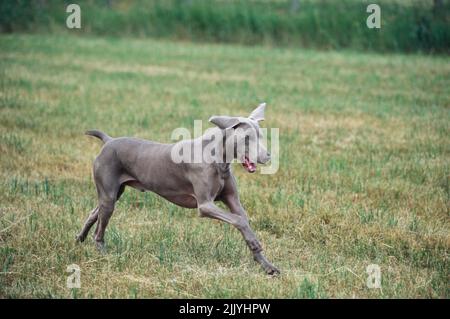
<point>268,154</point>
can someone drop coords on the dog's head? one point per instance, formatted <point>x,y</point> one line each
<point>244,138</point>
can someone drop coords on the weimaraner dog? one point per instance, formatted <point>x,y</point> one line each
<point>149,166</point>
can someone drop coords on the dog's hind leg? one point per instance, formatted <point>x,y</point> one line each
<point>93,216</point>
<point>92,219</point>
<point>105,210</point>
<point>120,192</point>
<point>107,181</point>
<point>108,189</point>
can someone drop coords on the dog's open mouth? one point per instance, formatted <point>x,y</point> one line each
<point>249,166</point>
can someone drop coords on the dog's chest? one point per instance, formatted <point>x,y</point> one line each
<point>223,171</point>
<point>216,187</point>
<point>217,181</point>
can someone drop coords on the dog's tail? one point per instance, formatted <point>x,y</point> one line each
<point>99,134</point>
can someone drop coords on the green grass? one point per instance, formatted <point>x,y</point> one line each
<point>406,25</point>
<point>363,179</point>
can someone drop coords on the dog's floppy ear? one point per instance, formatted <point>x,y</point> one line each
<point>258,113</point>
<point>224,122</point>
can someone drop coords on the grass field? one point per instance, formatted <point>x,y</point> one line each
<point>363,178</point>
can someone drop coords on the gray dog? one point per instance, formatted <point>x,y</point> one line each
<point>149,166</point>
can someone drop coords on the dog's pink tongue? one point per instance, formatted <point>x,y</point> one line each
<point>251,167</point>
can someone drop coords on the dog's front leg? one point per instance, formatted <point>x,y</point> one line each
<point>209,209</point>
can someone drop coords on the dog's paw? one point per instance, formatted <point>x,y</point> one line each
<point>100,247</point>
<point>79,238</point>
<point>271,270</point>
